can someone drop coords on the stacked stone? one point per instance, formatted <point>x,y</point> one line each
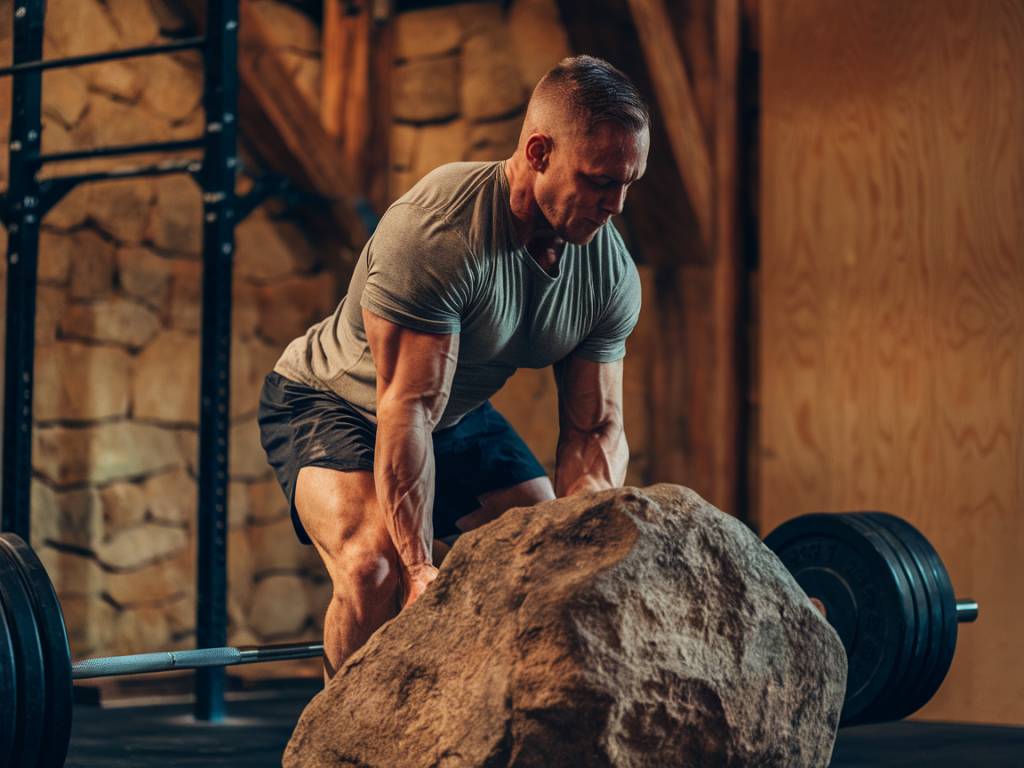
<point>118,357</point>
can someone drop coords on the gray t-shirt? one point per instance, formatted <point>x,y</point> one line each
<point>444,260</point>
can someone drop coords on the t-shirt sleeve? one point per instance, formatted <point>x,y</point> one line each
<point>606,343</point>
<point>418,271</point>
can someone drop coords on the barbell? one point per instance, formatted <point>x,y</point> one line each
<point>879,582</point>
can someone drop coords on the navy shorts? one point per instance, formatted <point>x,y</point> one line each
<point>305,427</point>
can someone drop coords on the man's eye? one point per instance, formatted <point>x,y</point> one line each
<point>601,184</point>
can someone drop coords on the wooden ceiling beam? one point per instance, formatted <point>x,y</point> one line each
<point>345,100</point>
<point>283,127</point>
<point>678,108</point>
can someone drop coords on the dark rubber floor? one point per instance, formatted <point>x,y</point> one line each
<point>258,728</point>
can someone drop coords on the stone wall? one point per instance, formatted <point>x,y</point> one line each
<point>117,356</point>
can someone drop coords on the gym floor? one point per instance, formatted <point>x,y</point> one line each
<point>261,721</point>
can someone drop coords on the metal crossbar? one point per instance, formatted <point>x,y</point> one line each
<point>93,58</point>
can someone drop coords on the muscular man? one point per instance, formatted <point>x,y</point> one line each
<point>377,420</point>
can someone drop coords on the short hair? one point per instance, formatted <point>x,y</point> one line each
<point>597,92</point>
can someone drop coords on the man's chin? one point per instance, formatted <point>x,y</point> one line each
<point>583,236</point>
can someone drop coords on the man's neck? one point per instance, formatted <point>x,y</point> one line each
<point>532,230</point>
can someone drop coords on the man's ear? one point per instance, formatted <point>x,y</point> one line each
<point>538,151</point>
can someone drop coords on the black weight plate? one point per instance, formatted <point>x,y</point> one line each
<point>8,691</point>
<point>833,560</point>
<point>905,626</point>
<point>57,652</point>
<point>893,704</point>
<point>941,588</point>
<point>917,693</point>
<point>28,661</point>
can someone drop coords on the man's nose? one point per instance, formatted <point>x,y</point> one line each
<point>615,201</point>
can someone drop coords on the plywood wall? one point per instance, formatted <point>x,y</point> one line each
<point>892,333</point>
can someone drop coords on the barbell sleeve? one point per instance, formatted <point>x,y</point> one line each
<point>166,661</point>
<point>966,610</point>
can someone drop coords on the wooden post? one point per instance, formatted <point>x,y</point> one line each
<point>345,103</point>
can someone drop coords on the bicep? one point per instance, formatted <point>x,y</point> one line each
<point>413,368</point>
<point>589,393</point>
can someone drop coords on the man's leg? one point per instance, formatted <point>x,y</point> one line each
<point>340,513</point>
<point>494,503</point>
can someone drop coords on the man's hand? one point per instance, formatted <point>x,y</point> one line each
<point>415,581</point>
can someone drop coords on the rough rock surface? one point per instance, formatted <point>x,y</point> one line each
<point>626,628</point>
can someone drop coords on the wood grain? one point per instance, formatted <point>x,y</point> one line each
<point>892,362</point>
<point>678,108</point>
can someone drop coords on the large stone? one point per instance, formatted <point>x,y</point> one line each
<point>289,306</point>
<point>116,79</point>
<point>116,321</point>
<point>73,208</point>
<point>92,266</point>
<point>280,607</point>
<point>287,27</point>
<point>122,208</point>
<point>110,122</point>
<point>267,249</point>
<point>439,144</point>
<point>494,140</point>
<point>275,548</point>
<point>251,361</point>
<point>50,308</point>
<point>266,502</point>
<point>172,91</point>
<point>124,506</point>
<point>64,96</point>
<point>404,138</point>
<point>90,621</point>
<point>624,628</point>
<point>145,276</point>
<point>54,256</point>
<point>72,573</point>
<point>166,386</point>
<point>426,32</point>
<point>140,630</point>
<point>73,519</point>
<point>176,221</point>
<point>136,547</point>
<point>184,309</point>
<point>80,26</point>
<point>240,573</point>
<point>538,38</point>
<point>247,459</point>
<point>99,454</point>
<point>136,22</point>
<point>81,382</point>
<point>491,83</point>
<point>426,90</point>
<point>171,498</point>
<point>152,584</point>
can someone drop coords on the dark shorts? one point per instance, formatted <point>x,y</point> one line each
<point>305,427</point>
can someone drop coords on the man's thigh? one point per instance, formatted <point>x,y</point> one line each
<point>494,503</point>
<point>339,512</point>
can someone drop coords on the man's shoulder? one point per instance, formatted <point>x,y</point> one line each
<point>451,190</point>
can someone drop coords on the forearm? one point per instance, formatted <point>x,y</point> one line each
<point>403,472</point>
<point>591,460</point>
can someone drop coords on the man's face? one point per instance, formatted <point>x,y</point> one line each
<point>586,179</point>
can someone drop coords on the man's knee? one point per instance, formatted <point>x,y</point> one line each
<point>368,570</point>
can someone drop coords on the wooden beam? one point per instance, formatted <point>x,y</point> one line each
<point>727,392</point>
<point>345,103</point>
<point>283,128</point>
<point>678,109</point>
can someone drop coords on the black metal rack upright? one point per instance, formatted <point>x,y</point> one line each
<point>28,199</point>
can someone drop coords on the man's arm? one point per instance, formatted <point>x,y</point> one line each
<point>414,376</point>
<point>592,450</point>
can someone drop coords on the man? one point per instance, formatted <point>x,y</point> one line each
<point>377,420</point>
